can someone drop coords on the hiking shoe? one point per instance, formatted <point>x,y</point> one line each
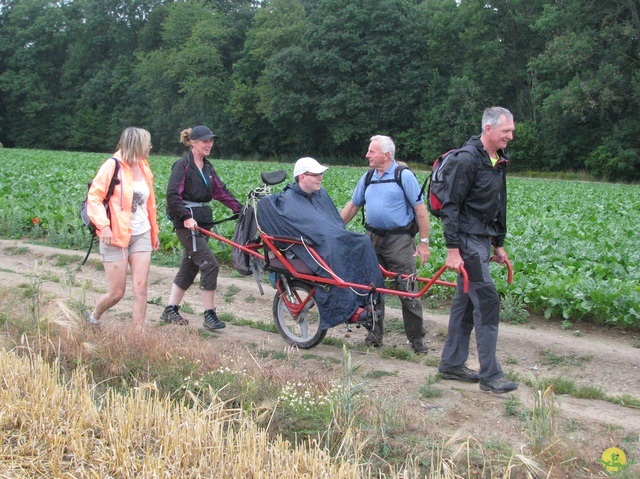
<point>372,341</point>
<point>419,347</point>
<point>211,320</point>
<point>93,322</point>
<point>171,315</point>
<point>498,386</point>
<point>462,373</point>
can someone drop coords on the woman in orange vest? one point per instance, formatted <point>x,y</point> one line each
<point>126,225</point>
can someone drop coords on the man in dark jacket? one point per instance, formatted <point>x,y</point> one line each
<point>474,219</point>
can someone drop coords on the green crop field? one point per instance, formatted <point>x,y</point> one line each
<point>574,246</point>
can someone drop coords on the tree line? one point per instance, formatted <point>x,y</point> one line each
<point>289,78</point>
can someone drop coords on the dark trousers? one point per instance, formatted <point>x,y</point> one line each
<point>480,309</point>
<point>395,253</point>
<point>199,260</point>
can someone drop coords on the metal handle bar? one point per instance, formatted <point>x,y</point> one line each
<point>507,263</point>
<point>249,249</point>
<point>335,280</point>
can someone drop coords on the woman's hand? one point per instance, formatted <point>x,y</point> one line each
<point>106,236</point>
<point>190,224</point>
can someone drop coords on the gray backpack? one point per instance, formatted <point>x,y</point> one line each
<point>245,233</point>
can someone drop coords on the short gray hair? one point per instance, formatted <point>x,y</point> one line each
<point>492,116</point>
<point>386,145</point>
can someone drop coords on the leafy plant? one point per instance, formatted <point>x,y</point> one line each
<point>564,266</point>
<point>512,309</point>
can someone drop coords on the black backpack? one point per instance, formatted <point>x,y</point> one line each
<point>83,206</point>
<point>397,178</point>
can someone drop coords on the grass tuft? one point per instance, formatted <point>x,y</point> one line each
<point>178,400</point>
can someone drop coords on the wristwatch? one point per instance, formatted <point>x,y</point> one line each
<point>424,240</point>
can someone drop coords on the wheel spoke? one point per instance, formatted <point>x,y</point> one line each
<point>301,329</point>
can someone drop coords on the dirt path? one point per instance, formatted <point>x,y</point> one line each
<point>594,357</point>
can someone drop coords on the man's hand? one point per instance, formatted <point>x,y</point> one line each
<point>348,212</point>
<point>423,252</point>
<point>454,260</point>
<point>500,255</point>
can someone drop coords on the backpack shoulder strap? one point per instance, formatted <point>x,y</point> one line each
<point>467,148</point>
<point>367,178</point>
<point>398,179</point>
<point>367,182</point>
<point>398,174</point>
<point>423,188</point>
<point>112,185</point>
<point>471,150</point>
<point>114,179</point>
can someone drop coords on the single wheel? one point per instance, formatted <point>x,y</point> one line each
<point>301,329</point>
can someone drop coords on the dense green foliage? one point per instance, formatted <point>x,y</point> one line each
<point>574,245</point>
<point>296,77</point>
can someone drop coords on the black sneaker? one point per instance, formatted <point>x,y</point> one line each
<point>498,386</point>
<point>419,347</point>
<point>372,341</point>
<point>172,316</point>
<point>211,320</point>
<point>462,373</point>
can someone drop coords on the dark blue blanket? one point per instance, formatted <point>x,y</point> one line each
<point>350,255</point>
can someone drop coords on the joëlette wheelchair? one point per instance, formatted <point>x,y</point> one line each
<point>294,310</point>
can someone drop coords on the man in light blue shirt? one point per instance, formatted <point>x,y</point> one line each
<point>389,216</point>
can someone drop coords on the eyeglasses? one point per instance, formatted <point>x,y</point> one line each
<point>315,174</point>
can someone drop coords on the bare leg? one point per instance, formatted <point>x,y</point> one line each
<point>208,299</point>
<point>116,272</point>
<point>140,264</point>
<point>177,293</point>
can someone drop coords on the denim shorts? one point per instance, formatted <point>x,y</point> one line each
<point>137,244</point>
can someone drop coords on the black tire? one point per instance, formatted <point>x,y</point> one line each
<point>304,332</point>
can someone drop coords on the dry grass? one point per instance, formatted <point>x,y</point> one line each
<point>79,404</point>
<point>49,429</point>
